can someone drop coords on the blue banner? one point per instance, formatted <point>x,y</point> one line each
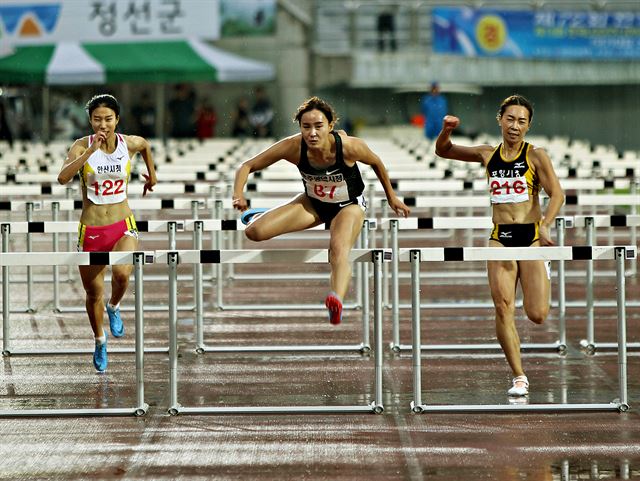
<point>545,34</point>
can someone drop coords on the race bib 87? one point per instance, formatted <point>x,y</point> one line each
<point>327,188</point>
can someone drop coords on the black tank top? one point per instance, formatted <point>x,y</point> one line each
<point>334,184</point>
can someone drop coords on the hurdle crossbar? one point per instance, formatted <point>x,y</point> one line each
<point>220,225</point>
<point>173,258</point>
<point>590,222</point>
<point>138,259</point>
<point>619,253</point>
<point>55,227</point>
<point>562,222</point>
<point>394,225</point>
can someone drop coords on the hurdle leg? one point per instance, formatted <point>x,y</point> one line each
<point>377,329</point>
<point>562,304</point>
<point>622,328</point>
<point>364,291</point>
<point>138,261</point>
<point>589,342</point>
<point>55,207</point>
<point>174,407</point>
<point>198,294</point>
<point>217,268</point>
<point>172,229</point>
<point>635,183</point>
<point>362,242</point>
<point>70,194</point>
<point>29,268</point>
<point>384,213</point>
<point>230,274</point>
<point>6,345</point>
<point>416,404</point>
<point>372,214</point>
<point>395,288</point>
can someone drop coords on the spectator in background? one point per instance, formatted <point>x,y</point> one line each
<point>241,122</point>
<point>434,107</point>
<point>5,130</point>
<point>181,111</point>
<point>206,121</point>
<point>261,117</point>
<point>69,117</point>
<point>144,115</point>
<point>386,31</point>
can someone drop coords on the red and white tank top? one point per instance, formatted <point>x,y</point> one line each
<point>106,176</point>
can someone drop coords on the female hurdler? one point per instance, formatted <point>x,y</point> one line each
<point>516,170</point>
<point>327,161</point>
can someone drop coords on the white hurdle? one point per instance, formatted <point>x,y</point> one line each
<point>173,258</point>
<point>562,223</point>
<point>137,259</point>
<point>217,225</point>
<point>619,253</point>
<point>395,225</point>
<point>590,222</point>
<point>55,228</point>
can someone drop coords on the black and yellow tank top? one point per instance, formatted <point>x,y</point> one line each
<point>511,181</point>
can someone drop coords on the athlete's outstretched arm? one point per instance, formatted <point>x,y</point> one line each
<point>365,155</point>
<point>282,149</point>
<point>447,149</point>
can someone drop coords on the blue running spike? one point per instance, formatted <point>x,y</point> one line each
<point>115,321</point>
<point>100,356</point>
<point>247,215</point>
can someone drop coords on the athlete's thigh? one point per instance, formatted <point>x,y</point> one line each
<point>296,215</point>
<point>124,244</point>
<point>346,226</point>
<point>503,277</point>
<point>92,278</point>
<point>535,283</point>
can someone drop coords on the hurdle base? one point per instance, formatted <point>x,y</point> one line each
<point>607,346</point>
<point>75,412</point>
<point>588,346</point>
<point>556,346</point>
<point>280,307</point>
<point>426,408</point>
<point>151,308</point>
<point>371,408</point>
<point>81,351</point>
<point>361,348</point>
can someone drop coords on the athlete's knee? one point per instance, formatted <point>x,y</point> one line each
<point>94,295</point>
<point>505,308</point>
<point>254,233</point>
<point>537,314</point>
<point>120,276</point>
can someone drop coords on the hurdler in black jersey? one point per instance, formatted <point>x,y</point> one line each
<point>333,188</point>
<point>332,191</point>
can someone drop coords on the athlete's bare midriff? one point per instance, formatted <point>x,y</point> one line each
<point>520,213</point>
<point>103,214</point>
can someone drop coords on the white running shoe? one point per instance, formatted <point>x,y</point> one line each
<point>520,386</point>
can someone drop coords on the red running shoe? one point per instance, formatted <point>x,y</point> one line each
<point>334,304</point>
